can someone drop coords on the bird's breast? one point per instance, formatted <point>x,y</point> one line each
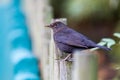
<point>65,48</point>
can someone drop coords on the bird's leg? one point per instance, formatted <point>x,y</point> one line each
<point>66,58</point>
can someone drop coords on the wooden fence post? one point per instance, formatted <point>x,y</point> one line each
<point>39,13</point>
<point>65,70</point>
<point>53,63</point>
<point>84,66</point>
<point>59,69</point>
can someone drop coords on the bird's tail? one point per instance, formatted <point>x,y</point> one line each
<point>104,48</point>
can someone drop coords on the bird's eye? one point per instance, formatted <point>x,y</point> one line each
<point>55,24</point>
<point>52,24</point>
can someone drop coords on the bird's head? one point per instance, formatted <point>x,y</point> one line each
<point>55,25</point>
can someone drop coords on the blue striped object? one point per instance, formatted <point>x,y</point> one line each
<point>17,61</point>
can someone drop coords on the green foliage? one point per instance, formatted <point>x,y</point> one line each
<point>117,35</point>
<point>88,8</point>
<point>115,45</point>
<point>115,53</point>
<point>107,41</point>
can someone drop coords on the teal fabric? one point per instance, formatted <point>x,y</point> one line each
<point>17,62</point>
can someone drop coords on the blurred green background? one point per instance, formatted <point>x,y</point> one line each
<point>94,18</point>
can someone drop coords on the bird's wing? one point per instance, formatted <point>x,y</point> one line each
<point>73,38</point>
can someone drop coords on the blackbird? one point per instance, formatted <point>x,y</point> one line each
<point>68,40</point>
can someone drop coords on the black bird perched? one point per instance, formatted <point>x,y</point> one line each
<point>68,40</point>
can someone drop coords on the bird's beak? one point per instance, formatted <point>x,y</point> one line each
<point>47,25</point>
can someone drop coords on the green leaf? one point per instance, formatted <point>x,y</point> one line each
<point>102,43</point>
<point>116,35</point>
<point>107,41</point>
